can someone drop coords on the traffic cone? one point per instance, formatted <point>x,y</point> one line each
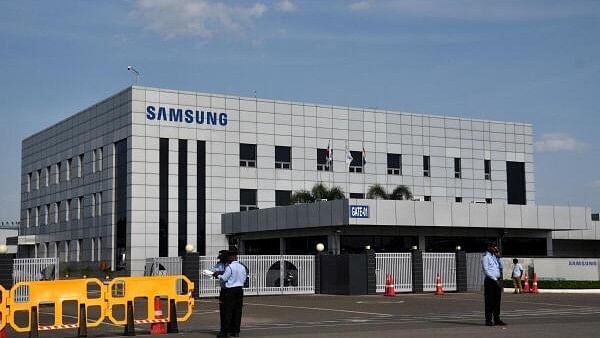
<point>526,286</point>
<point>390,290</point>
<point>158,328</point>
<point>535,289</point>
<point>439,290</point>
<point>3,331</point>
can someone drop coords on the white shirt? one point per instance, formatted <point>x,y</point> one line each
<point>518,270</point>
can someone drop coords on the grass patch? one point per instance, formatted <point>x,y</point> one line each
<point>560,284</point>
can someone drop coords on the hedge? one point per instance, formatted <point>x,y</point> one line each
<point>560,284</point>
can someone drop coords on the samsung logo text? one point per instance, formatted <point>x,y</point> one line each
<point>186,116</point>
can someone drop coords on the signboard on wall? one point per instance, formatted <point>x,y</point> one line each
<point>567,268</point>
<point>359,211</point>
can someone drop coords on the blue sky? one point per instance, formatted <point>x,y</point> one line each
<point>531,61</point>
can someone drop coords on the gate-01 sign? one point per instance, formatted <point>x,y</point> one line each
<point>359,211</point>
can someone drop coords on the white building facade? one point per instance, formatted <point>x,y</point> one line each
<point>148,171</point>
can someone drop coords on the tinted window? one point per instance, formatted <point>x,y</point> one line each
<point>282,197</point>
<point>247,152</point>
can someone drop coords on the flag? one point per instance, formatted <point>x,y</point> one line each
<point>349,157</point>
<point>364,156</point>
<point>329,154</point>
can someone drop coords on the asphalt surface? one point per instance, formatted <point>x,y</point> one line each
<point>406,315</point>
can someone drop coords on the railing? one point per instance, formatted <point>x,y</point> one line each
<point>442,263</point>
<point>31,270</point>
<point>268,275</point>
<point>397,264</point>
<point>163,266</point>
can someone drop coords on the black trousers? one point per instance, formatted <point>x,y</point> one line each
<point>222,329</point>
<point>492,295</point>
<point>234,300</point>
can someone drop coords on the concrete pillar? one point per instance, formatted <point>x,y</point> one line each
<point>461,271</point>
<point>333,243</point>
<point>422,242</point>
<point>549,245</point>
<point>6,270</point>
<point>417,271</point>
<point>282,247</point>
<point>190,267</point>
<point>318,273</point>
<point>242,247</point>
<point>371,276</point>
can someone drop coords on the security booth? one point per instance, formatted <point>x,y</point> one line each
<point>398,234</point>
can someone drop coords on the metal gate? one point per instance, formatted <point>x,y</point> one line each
<point>397,264</point>
<point>442,263</point>
<point>163,266</point>
<point>33,269</point>
<point>268,275</point>
<point>475,275</point>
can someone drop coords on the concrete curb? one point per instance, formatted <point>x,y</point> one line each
<point>583,291</point>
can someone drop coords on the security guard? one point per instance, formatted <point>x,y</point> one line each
<point>234,278</point>
<point>219,269</point>
<point>491,263</point>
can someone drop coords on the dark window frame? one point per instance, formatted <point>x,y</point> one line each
<point>283,196</point>
<point>357,164</point>
<point>487,169</point>
<point>322,164</point>
<point>280,162</point>
<point>248,155</point>
<point>246,205</point>
<point>394,165</point>
<point>457,167</point>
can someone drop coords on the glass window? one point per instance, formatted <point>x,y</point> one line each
<point>28,218</point>
<point>426,167</point>
<point>356,166</point>
<point>47,175</point>
<point>357,195</point>
<point>79,206</point>
<point>29,182</point>
<point>394,164</point>
<point>487,167</point>
<point>99,159</point>
<point>56,212</point>
<point>94,161</point>
<point>247,155</point>
<point>38,178</point>
<point>322,163</point>
<point>457,168</point>
<point>458,199</point>
<point>283,157</point>
<point>57,172</point>
<point>596,217</point>
<point>248,199</point>
<point>37,216</point>
<point>488,200</point>
<point>80,165</point>
<point>46,214</point>
<point>69,167</point>
<point>68,211</point>
<point>93,205</point>
<point>427,198</point>
<point>283,197</point>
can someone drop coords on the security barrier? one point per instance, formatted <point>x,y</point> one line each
<point>85,293</point>
<point>3,312</point>
<point>124,292</point>
<point>73,299</point>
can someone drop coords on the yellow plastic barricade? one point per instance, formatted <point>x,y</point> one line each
<point>55,293</point>
<point>3,309</point>
<point>122,291</point>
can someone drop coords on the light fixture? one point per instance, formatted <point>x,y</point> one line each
<point>320,247</point>
<point>458,248</point>
<point>189,248</point>
<point>414,247</point>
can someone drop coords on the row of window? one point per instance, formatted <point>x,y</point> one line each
<point>283,160</point>
<point>51,212</point>
<point>248,198</point>
<point>54,177</point>
<point>67,252</point>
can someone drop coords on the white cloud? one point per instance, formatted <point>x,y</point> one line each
<point>203,18</point>
<point>286,6</point>
<point>360,5</point>
<point>553,142</point>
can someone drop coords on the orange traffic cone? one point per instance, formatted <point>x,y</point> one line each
<point>390,290</point>
<point>535,289</point>
<point>439,290</point>
<point>3,331</point>
<point>526,286</point>
<point>160,327</point>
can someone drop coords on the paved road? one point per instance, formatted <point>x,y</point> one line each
<point>451,315</point>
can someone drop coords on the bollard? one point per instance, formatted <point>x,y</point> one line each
<point>82,329</point>
<point>172,326</point>
<point>129,327</point>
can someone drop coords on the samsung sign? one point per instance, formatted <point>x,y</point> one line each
<point>186,116</point>
<point>359,211</point>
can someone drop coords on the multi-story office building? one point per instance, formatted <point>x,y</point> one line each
<point>148,171</point>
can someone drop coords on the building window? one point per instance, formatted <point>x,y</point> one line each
<point>58,165</point>
<point>29,182</point>
<point>488,200</point>
<point>67,250</point>
<point>357,195</point>
<point>99,156</point>
<point>427,198</point>
<point>69,167</point>
<point>457,168</point>
<point>93,249</point>
<point>38,178</point>
<point>46,214</point>
<point>596,217</point>
<point>78,251</point>
<point>324,162</point>
<point>80,165</point>
<point>426,166</point>
<point>248,199</point>
<point>247,155</point>
<point>93,205</point>
<point>99,247</point>
<point>28,218</point>
<point>99,204</point>
<point>47,175</point>
<point>282,197</point>
<point>458,199</point>
<point>356,166</point>
<point>56,212</point>
<point>394,164</point>
<point>487,168</point>
<point>283,157</point>
<point>68,211</point>
<point>37,216</point>
<point>79,206</point>
<point>94,161</point>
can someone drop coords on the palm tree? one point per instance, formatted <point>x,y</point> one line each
<point>401,192</point>
<point>318,192</point>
